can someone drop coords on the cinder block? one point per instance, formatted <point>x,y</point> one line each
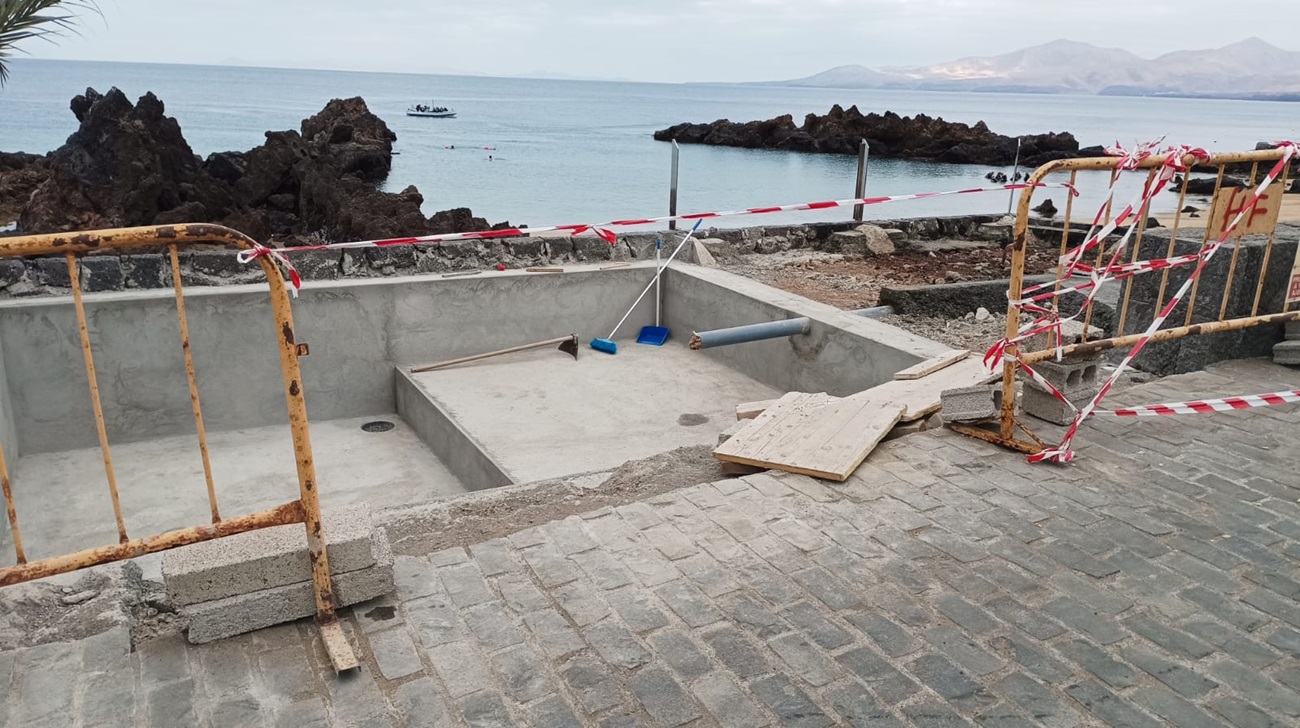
<point>1041,404</point>
<point>265,558</point>
<point>1072,377</point>
<point>231,616</point>
<point>967,404</point>
<point>1287,352</point>
<point>1293,330</point>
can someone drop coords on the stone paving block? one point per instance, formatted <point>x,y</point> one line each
<point>1256,686</point>
<point>523,672</point>
<point>583,605</point>
<point>680,652</point>
<point>1037,659</point>
<point>230,616</point>
<point>663,698</point>
<point>966,615</point>
<point>637,608</point>
<point>933,714</point>
<point>958,547</point>
<point>1032,621</point>
<point>739,654</point>
<point>1175,642</point>
<point>265,558</point>
<point>1179,712</point>
<point>727,703</point>
<point>1038,701</point>
<point>887,683</point>
<point>1233,642</point>
<point>589,680</point>
<point>809,620</point>
<point>832,592</point>
<point>493,625</point>
<point>888,636</point>
<point>461,668</point>
<point>747,612</point>
<point>792,706</point>
<point>805,660</point>
<point>688,603</point>
<point>957,645</point>
<point>948,680</point>
<point>602,569</point>
<point>707,574</point>
<point>857,708</point>
<point>553,712</point>
<point>549,565</point>
<point>421,704</point>
<point>1242,714</point>
<point>1108,707</point>
<point>553,633</point>
<point>616,645</point>
<point>485,709</point>
<point>1176,676</point>
<point>495,557</point>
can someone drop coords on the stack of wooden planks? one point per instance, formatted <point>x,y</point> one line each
<point>829,437</point>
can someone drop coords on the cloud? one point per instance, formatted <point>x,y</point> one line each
<point>668,40</point>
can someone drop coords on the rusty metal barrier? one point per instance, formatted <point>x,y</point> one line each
<point>1227,202</point>
<point>304,510</point>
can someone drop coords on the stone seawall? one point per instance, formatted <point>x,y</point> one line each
<point>213,266</point>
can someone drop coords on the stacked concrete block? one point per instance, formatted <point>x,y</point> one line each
<point>971,404</point>
<point>1288,351</point>
<point>262,578</point>
<point>1078,379</point>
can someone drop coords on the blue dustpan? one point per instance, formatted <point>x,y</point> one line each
<point>652,335</point>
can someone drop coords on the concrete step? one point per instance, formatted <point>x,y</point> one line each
<point>236,615</point>
<point>1287,352</point>
<point>265,558</point>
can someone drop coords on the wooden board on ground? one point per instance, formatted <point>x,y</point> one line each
<point>812,434</point>
<point>930,366</point>
<point>919,396</point>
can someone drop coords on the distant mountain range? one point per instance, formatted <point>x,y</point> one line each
<point>1250,69</point>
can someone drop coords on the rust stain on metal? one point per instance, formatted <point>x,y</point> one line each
<point>286,330</point>
<point>166,232</point>
<point>293,388</point>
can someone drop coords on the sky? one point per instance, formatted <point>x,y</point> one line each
<point>661,41</point>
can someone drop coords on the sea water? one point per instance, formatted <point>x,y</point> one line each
<point>541,152</point>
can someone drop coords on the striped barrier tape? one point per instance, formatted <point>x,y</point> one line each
<point>1062,453</point>
<point>1205,406</point>
<point>604,232</point>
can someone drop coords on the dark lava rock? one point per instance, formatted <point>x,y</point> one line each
<point>130,165</point>
<point>890,135</point>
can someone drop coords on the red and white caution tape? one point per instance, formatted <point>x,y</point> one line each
<point>604,232</point>
<point>1205,406</point>
<point>1062,453</point>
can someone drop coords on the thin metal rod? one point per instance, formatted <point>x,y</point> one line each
<point>75,281</point>
<point>340,652</point>
<point>672,186</point>
<point>860,187</point>
<point>659,295</point>
<point>1137,247</point>
<point>194,384</point>
<point>1060,262</point>
<point>1268,249</point>
<point>1236,250</point>
<point>1209,327</point>
<point>19,554</point>
<point>1101,252</point>
<point>1015,169</point>
<point>510,350</point>
<point>1173,241</point>
<point>1196,284</point>
<point>1019,244</point>
<point>277,516</point>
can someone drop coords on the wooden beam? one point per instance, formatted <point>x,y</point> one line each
<point>930,366</point>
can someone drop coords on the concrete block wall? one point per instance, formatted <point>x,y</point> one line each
<point>1195,352</point>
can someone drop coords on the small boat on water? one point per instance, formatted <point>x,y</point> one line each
<point>431,111</point>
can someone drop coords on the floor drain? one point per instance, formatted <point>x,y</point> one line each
<point>378,426</point>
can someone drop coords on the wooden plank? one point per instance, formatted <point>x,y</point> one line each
<point>930,366</point>
<point>750,410</point>
<point>827,441</point>
<point>921,396</point>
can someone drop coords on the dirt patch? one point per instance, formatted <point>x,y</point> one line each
<point>485,516</point>
<point>964,333</point>
<point>852,282</point>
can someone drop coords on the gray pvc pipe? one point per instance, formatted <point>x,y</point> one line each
<point>752,332</point>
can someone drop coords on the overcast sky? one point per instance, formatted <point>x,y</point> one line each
<point>664,40</point>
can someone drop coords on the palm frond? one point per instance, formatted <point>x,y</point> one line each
<point>22,20</point>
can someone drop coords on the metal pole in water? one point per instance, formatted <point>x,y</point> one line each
<point>672,189</point>
<point>861,188</point>
<point>1014,169</point>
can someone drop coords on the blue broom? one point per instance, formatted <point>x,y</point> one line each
<point>607,344</point>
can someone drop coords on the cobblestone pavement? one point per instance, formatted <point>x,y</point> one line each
<point>1152,582</point>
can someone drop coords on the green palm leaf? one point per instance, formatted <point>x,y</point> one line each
<point>22,20</point>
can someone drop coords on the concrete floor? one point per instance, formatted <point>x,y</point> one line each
<point>63,502</point>
<point>541,415</point>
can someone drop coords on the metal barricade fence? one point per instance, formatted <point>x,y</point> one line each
<point>1250,295</point>
<point>305,509</point>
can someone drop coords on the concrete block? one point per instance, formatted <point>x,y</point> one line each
<point>1287,352</point>
<point>231,616</point>
<point>266,558</point>
<point>1041,404</point>
<point>1293,330</point>
<point>967,404</point>
<point>1072,377</point>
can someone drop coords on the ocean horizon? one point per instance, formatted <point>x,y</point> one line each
<point>540,151</point>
